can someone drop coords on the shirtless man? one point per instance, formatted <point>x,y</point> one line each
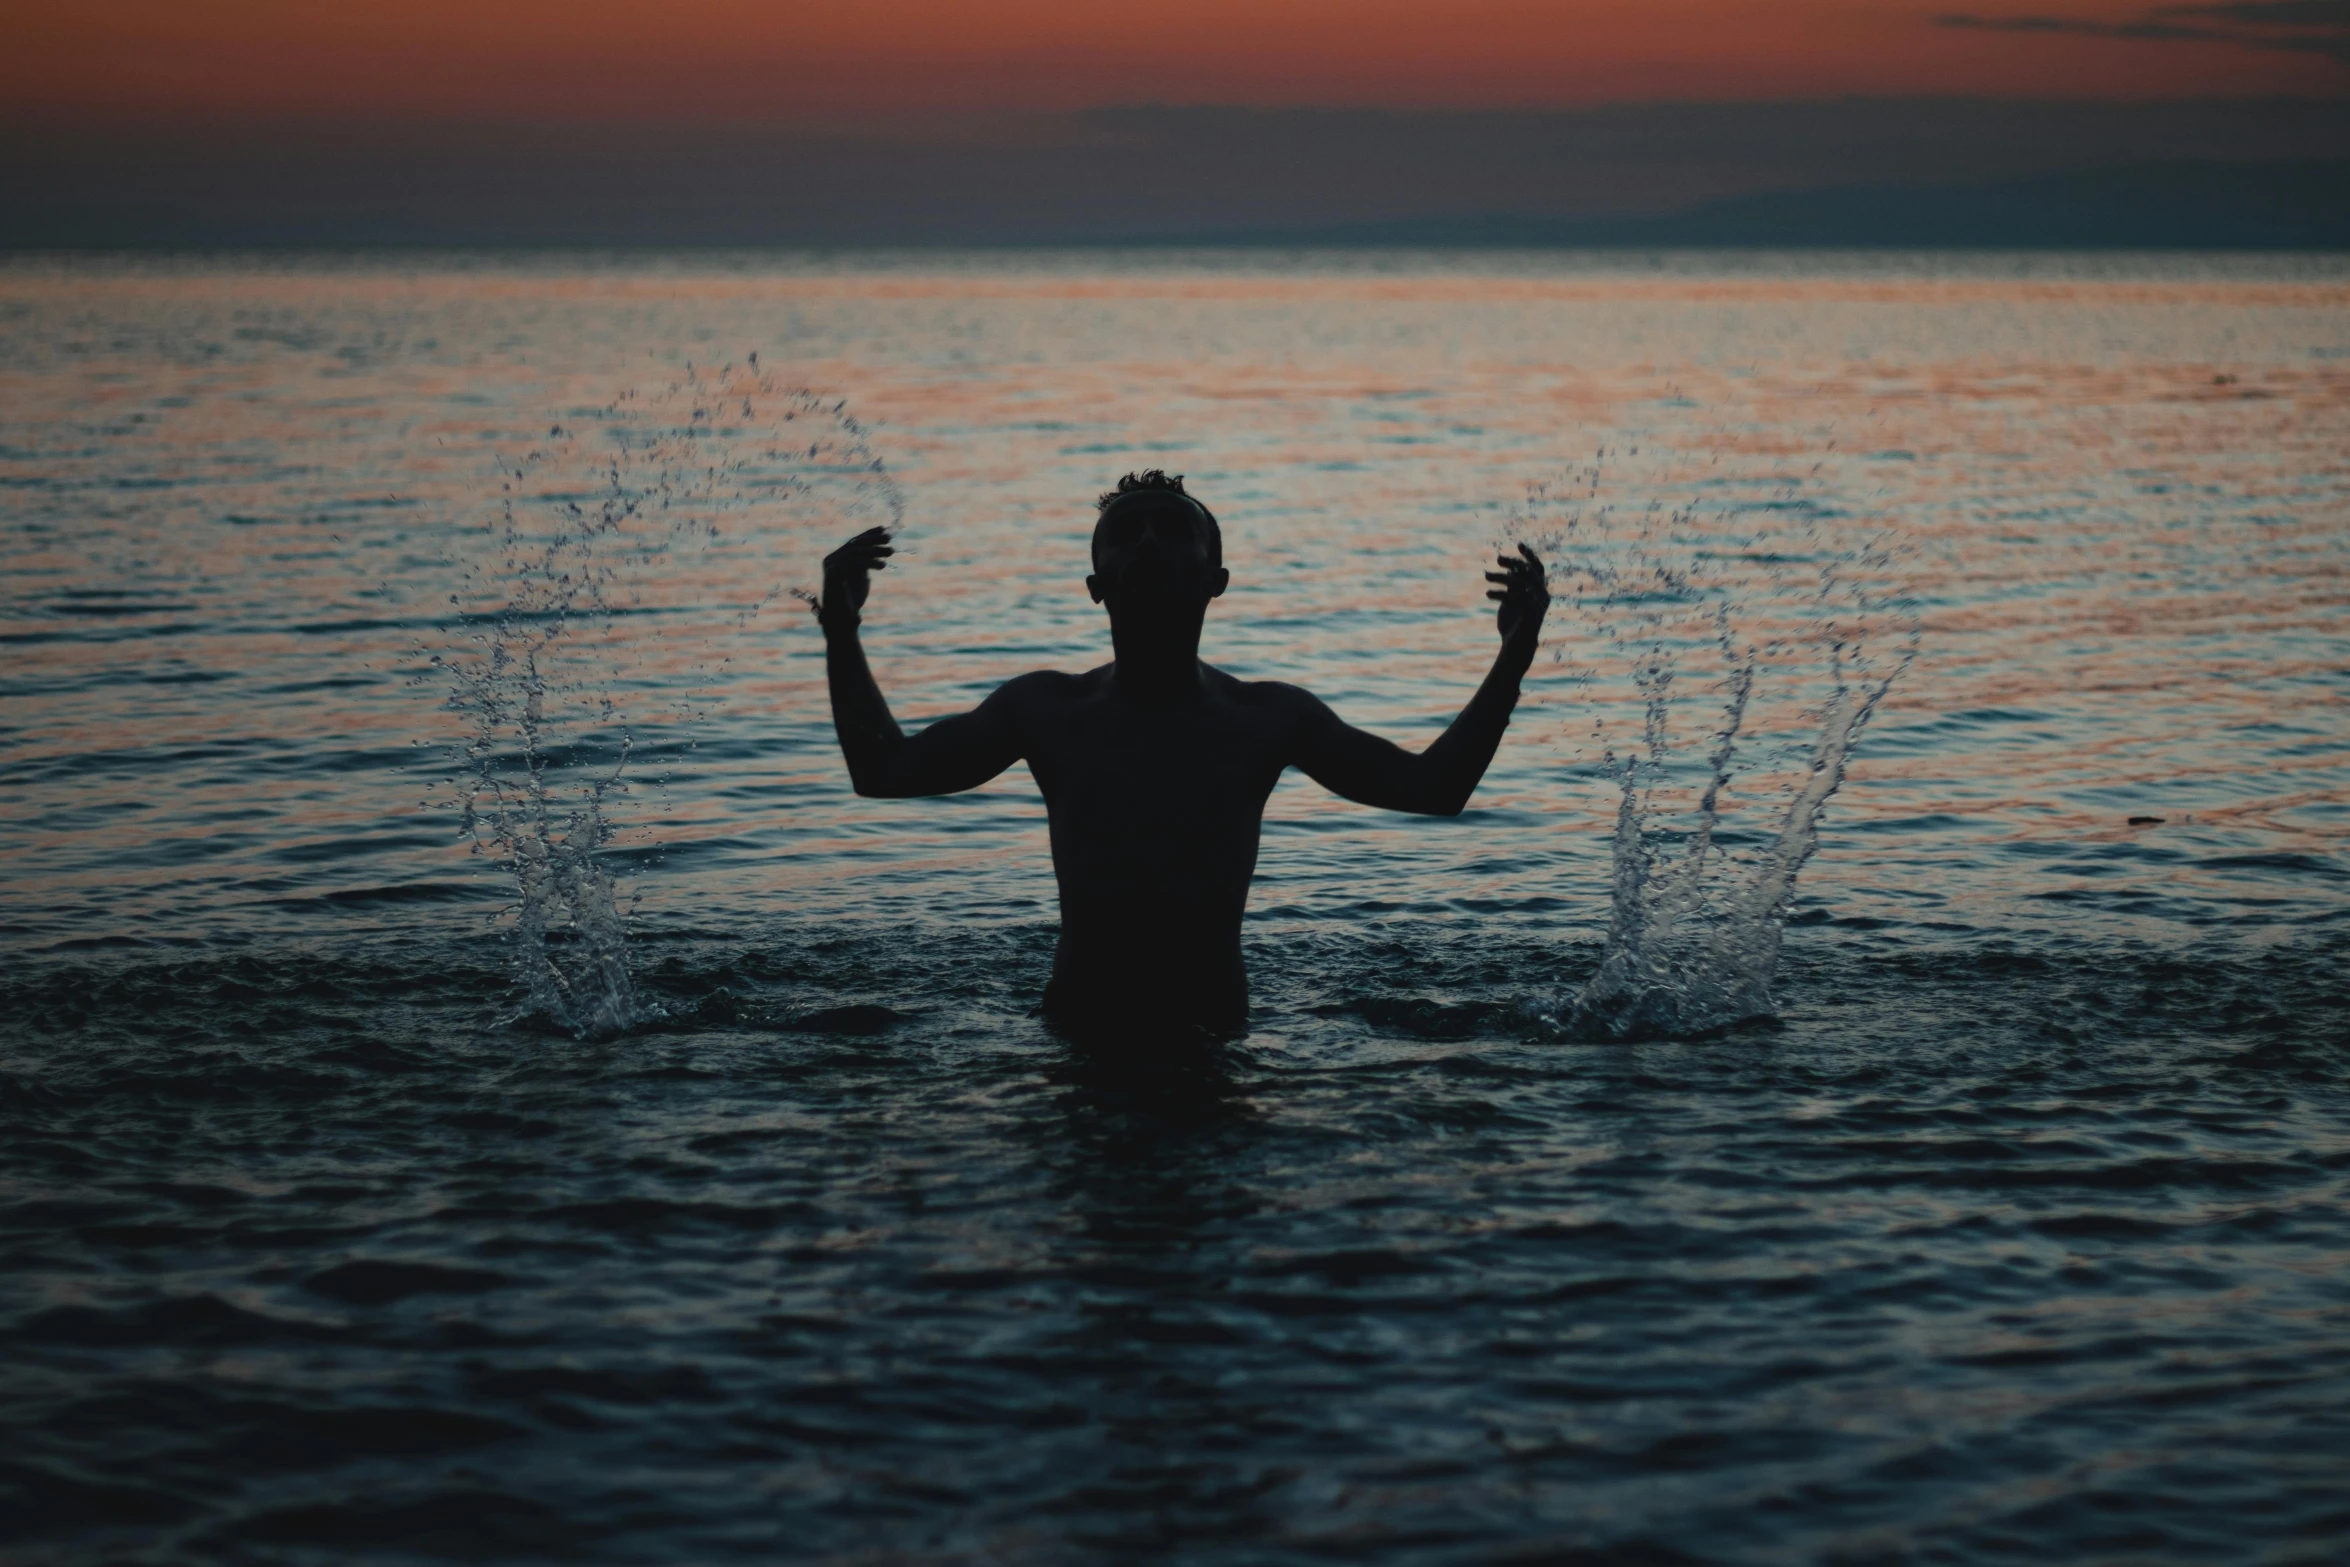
<point>1155,767</point>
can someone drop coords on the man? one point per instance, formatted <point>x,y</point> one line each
<point>1155,767</point>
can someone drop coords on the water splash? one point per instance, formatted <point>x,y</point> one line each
<point>626,556</point>
<point>1769,619</point>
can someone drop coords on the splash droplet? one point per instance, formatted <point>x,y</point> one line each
<point>619,569</point>
<point>1768,619</point>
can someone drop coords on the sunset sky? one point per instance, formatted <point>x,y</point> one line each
<point>753,122</point>
<point>761,61</point>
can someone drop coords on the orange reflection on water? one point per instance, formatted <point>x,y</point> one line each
<point>2121,500</point>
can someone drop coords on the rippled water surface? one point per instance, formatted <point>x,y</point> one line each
<point>2020,1234</point>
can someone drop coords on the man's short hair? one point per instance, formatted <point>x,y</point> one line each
<point>1156,489</point>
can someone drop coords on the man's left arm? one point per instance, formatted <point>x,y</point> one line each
<point>1438,781</point>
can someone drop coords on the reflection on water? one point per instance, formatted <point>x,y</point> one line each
<point>2020,1234</point>
<point>233,495</point>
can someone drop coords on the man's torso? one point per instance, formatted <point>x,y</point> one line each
<point>1155,811</point>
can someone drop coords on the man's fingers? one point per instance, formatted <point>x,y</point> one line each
<point>872,539</point>
<point>1524,567</point>
<point>1524,585</point>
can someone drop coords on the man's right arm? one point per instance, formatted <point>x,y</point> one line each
<point>951,755</point>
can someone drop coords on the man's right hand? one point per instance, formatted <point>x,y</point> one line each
<point>848,576</point>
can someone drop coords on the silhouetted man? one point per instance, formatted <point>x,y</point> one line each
<point>1155,767</point>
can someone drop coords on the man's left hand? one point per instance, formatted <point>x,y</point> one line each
<point>1523,594</point>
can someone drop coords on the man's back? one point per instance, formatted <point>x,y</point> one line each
<point>1155,768</point>
<point>1155,809</point>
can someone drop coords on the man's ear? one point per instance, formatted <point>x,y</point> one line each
<point>1223,580</point>
<point>1093,585</point>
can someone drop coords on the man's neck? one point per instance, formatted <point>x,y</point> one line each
<point>1157,670</point>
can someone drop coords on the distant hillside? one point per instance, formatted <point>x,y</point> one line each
<point>2300,205</point>
<point>1938,175</point>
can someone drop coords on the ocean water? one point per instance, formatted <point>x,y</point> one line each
<point>2016,1230</point>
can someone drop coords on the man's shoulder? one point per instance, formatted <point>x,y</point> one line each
<point>1271,696</point>
<point>1048,687</point>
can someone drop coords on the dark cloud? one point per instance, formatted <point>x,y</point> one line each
<point>2273,13</point>
<point>2166,31</point>
<point>2320,27</point>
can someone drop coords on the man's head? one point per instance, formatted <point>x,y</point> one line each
<point>1154,544</point>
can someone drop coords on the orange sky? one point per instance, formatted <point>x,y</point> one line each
<point>770,60</point>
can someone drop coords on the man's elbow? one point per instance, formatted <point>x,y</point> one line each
<point>1454,797</point>
<point>1445,791</point>
<point>1430,803</point>
<point>1427,802</point>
